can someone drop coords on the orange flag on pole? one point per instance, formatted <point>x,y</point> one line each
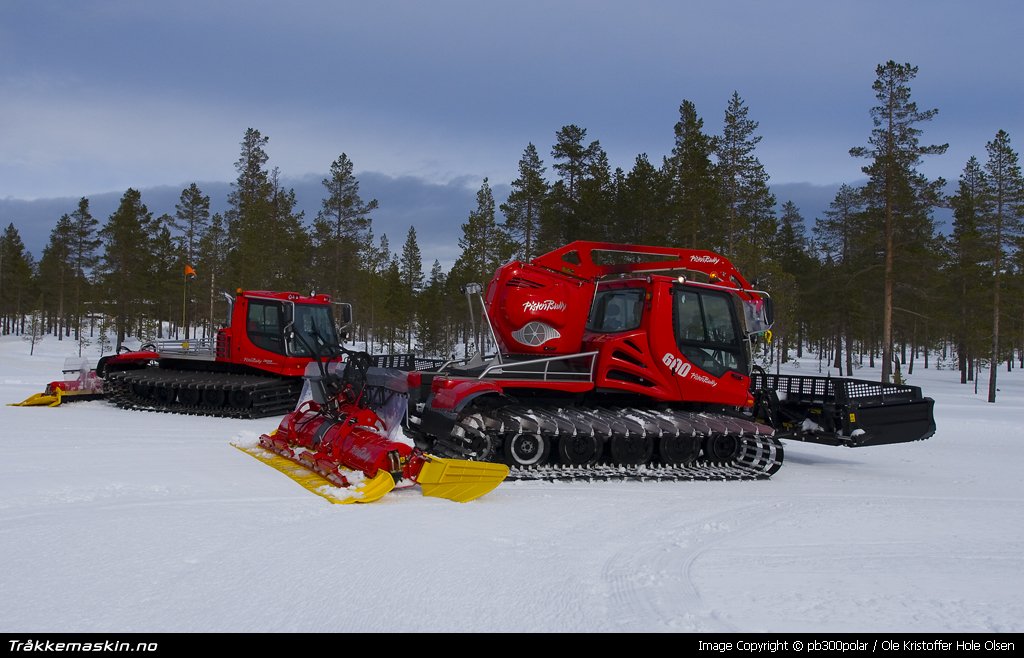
<point>190,272</point>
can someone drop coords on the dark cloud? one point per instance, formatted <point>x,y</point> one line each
<point>106,94</point>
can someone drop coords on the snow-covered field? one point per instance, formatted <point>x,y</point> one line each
<point>113,520</point>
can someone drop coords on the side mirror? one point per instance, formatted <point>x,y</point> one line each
<point>345,313</point>
<point>769,311</point>
<point>344,320</point>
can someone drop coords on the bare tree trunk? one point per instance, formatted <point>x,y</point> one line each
<point>887,294</point>
<point>994,362</point>
<point>913,349</point>
<point>926,350</point>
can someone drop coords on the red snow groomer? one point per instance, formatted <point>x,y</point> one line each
<point>618,360</point>
<point>345,442</point>
<point>248,369</point>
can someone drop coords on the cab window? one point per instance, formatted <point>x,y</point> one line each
<point>705,328</point>
<point>617,310</point>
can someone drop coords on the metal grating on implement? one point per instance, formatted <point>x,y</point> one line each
<point>837,389</point>
<point>860,390</point>
<point>405,362</point>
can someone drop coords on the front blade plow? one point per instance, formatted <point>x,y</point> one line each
<point>324,472</point>
<point>360,490</point>
<point>458,479</point>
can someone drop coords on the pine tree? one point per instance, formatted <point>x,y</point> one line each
<point>484,243</point>
<point>485,246</point>
<point>341,229</point>
<point>166,289</point>
<point>55,274</point>
<point>561,218</point>
<point>249,213</point>
<point>693,188</point>
<point>378,259</point>
<point>844,241</point>
<point>290,268</point>
<point>15,280</point>
<point>411,271</point>
<point>895,191</point>
<point>966,251</point>
<point>212,263</point>
<point>192,216</point>
<point>433,338</point>
<point>1001,225</point>
<point>641,213</point>
<point>748,203</point>
<point>522,210</point>
<point>126,261</point>
<point>392,313</point>
<point>595,210</point>
<point>792,264</point>
<point>82,258</point>
<point>572,157</point>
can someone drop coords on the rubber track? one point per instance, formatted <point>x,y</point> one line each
<point>243,396</point>
<point>760,454</point>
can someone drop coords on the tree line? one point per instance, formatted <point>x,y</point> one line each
<point>873,279</point>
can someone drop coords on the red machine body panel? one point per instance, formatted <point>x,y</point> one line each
<point>566,302</point>
<point>537,311</point>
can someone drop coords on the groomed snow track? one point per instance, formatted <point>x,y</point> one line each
<point>615,443</point>
<point>200,393</point>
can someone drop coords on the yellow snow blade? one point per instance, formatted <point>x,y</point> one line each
<point>458,479</point>
<point>374,489</point>
<point>39,400</point>
<point>367,492</point>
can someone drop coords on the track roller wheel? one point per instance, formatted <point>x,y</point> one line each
<point>630,450</point>
<point>527,450</point>
<point>164,395</point>
<point>482,447</point>
<point>188,396</point>
<point>144,391</point>
<point>213,397</point>
<point>678,449</point>
<point>721,447</point>
<point>239,399</point>
<point>579,450</point>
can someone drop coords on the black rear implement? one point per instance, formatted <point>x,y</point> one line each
<point>838,411</point>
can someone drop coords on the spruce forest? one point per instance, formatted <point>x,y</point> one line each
<point>874,280</point>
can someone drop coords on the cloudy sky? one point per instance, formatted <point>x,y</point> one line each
<point>96,97</point>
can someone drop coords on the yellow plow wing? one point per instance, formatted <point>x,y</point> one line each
<point>367,492</point>
<point>458,479</point>
<point>40,400</point>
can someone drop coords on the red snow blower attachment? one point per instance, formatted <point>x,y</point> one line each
<point>80,383</point>
<point>344,437</point>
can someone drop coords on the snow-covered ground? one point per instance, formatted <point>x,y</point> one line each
<point>113,520</point>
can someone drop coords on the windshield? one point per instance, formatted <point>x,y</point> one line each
<point>316,324</point>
